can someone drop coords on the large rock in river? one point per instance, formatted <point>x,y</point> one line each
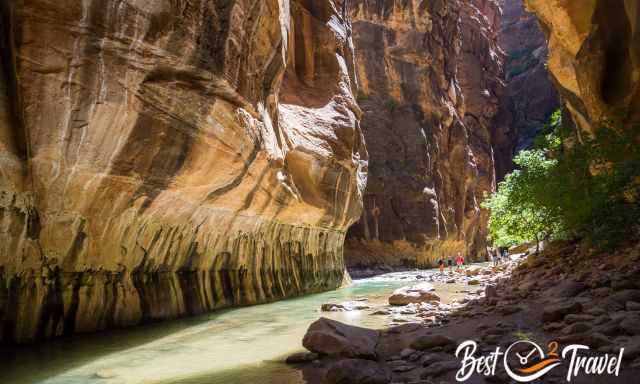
<point>419,293</point>
<point>163,158</point>
<point>332,338</point>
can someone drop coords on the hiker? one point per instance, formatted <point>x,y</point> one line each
<point>450,262</point>
<point>505,255</point>
<point>441,265</point>
<point>459,262</point>
<point>495,255</point>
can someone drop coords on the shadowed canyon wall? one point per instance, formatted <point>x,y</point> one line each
<point>164,158</point>
<point>531,96</point>
<point>430,76</point>
<point>594,57</point>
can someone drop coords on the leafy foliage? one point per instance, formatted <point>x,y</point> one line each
<point>567,188</point>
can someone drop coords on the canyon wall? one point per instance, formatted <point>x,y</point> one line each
<point>430,88</point>
<point>594,57</point>
<point>531,96</point>
<point>164,158</point>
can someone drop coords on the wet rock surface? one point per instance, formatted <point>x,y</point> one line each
<point>415,294</point>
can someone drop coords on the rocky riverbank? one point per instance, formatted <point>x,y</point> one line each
<point>565,294</point>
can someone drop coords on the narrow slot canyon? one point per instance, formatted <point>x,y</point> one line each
<point>319,191</point>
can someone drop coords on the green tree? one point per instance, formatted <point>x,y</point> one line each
<point>518,211</point>
<point>586,189</point>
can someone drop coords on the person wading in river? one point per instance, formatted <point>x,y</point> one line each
<point>450,263</point>
<point>441,265</point>
<point>459,262</point>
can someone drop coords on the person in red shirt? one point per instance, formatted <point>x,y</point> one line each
<point>459,261</point>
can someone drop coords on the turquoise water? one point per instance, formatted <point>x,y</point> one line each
<point>242,345</point>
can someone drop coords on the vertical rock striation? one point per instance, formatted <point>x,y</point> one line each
<point>430,87</point>
<point>164,158</point>
<point>594,57</point>
<point>531,96</point>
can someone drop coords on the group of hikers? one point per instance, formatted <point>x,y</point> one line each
<point>498,256</point>
<point>459,260</point>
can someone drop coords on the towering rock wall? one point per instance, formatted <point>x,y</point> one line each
<point>594,57</point>
<point>162,158</point>
<point>531,96</point>
<point>430,87</point>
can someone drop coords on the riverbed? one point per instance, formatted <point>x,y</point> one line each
<point>242,345</point>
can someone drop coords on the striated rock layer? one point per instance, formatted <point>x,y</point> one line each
<point>164,158</point>
<point>594,57</point>
<point>531,96</point>
<point>430,87</point>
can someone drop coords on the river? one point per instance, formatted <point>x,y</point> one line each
<point>242,345</point>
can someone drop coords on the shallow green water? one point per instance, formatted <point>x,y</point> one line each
<point>243,345</point>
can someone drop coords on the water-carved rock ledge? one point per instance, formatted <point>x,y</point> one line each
<point>167,158</point>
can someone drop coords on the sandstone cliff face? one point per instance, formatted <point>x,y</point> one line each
<point>531,96</point>
<point>594,57</point>
<point>429,75</point>
<point>162,158</point>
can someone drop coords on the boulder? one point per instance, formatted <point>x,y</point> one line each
<point>473,270</point>
<point>346,306</point>
<point>491,291</point>
<point>473,282</point>
<point>419,293</point>
<point>357,371</point>
<point>568,288</point>
<point>431,341</point>
<point>333,338</point>
<point>557,312</point>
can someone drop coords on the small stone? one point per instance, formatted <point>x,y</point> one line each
<point>558,311</point>
<point>105,374</point>
<point>357,371</point>
<point>574,318</point>
<point>508,309</point>
<point>631,324</point>
<point>405,353</point>
<point>576,328</point>
<point>626,295</point>
<point>632,348</point>
<point>302,358</point>
<point>491,291</point>
<point>381,312</point>
<point>439,368</point>
<point>632,306</point>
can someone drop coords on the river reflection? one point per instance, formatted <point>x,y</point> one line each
<point>242,345</point>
